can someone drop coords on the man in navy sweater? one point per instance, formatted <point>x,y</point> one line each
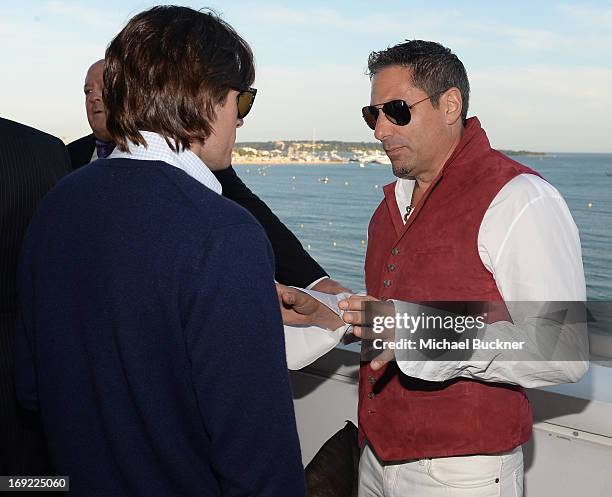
<point>294,265</point>
<point>150,336</point>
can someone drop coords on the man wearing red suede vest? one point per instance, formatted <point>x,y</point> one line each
<point>462,223</point>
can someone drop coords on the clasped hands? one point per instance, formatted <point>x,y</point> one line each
<point>300,309</point>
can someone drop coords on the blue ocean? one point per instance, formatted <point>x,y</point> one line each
<point>328,207</point>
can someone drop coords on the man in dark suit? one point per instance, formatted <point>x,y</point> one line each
<point>31,162</point>
<point>293,265</point>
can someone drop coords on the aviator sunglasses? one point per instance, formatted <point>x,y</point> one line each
<point>245,101</point>
<point>397,111</point>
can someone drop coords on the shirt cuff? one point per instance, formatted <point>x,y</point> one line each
<point>304,345</point>
<point>309,287</point>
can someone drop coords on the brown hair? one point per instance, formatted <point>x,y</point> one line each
<point>165,72</point>
<point>435,68</point>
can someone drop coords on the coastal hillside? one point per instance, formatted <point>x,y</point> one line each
<point>296,151</point>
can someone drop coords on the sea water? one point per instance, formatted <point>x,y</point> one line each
<point>328,207</point>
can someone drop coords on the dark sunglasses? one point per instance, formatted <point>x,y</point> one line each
<point>397,111</point>
<point>245,101</point>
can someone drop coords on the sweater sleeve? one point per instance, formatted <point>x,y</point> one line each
<point>294,266</point>
<point>236,346</point>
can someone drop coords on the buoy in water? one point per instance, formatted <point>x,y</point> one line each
<point>589,205</point>
<point>334,244</point>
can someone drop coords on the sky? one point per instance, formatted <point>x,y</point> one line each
<point>540,71</point>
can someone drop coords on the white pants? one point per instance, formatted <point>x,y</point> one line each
<point>499,475</point>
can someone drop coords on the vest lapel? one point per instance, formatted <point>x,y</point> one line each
<point>394,213</point>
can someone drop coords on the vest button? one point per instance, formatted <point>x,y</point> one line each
<point>371,395</point>
<point>394,251</point>
<point>372,379</point>
<point>387,282</point>
<point>391,267</point>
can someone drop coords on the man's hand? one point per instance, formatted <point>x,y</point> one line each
<point>300,309</point>
<point>355,314</point>
<point>327,285</point>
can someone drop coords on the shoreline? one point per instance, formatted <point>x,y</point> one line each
<point>286,162</point>
<point>290,163</point>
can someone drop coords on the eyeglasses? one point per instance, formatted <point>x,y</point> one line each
<point>397,111</point>
<point>245,101</point>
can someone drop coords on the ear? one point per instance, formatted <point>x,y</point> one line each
<point>451,104</point>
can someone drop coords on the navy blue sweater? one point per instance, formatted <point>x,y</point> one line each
<point>150,339</point>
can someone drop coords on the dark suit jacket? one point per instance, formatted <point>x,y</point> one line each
<point>31,162</point>
<point>294,266</point>
<point>81,150</point>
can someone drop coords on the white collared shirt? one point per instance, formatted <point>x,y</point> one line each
<point>157,149</point>
<point>527,240</point>
<point>94,156</point>
<point>530,244</point>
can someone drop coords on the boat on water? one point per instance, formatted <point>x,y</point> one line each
<point>376,158</point>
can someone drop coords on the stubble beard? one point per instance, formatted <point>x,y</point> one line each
<point>402,170</point>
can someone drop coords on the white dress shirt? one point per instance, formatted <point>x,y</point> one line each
<point>527,240</point>
<point>530,244</point>
<point>157,149</point>
<point>94,156</point>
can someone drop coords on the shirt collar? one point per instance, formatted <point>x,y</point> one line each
<point>159,150</point>
<point>403,195</point>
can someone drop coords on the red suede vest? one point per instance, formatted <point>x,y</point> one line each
<point>434,257</point>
